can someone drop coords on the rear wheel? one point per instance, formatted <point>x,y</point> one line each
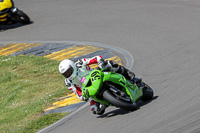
<point>147,92</point>
<point>118,102</point>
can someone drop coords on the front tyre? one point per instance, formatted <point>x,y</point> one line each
<point>112,99</point>
<point>23,18</point>
<point>17,15</point>
<point>147,92</point>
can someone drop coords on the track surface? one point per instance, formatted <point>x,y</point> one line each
<point>163,36</point>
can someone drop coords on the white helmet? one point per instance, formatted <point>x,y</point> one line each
<point>68,69</point>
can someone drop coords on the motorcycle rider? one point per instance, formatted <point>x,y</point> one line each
<point>74,72</point>
<point>6,8</point>
<point>7,11</point>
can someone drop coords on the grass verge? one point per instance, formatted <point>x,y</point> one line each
<point>28,85</point>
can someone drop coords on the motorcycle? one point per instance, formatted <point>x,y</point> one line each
<point>112,89</point>
<point>10,14</point>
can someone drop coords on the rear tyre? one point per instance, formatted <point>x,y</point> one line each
<point>147,92</point>
<point>108,96</point>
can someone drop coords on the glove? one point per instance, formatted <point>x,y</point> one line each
<point>85,93</point>
<point>101,64</point>
<point>79,63</point>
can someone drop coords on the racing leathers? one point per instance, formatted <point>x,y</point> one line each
<point>83,69</point>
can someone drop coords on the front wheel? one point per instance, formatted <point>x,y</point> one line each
<point>108,96</point>
<point>20,16</point>
<point>23,17</point>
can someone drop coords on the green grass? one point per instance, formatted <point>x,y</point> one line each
<point>28,85</point>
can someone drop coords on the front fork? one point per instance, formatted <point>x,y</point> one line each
<point>14,10</point>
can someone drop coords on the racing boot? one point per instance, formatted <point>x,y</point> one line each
<point>113,66</point>
<point>97,108</point>
<point>129,75</point>
<point>101,108</point>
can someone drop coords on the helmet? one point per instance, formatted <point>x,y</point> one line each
<point>67,68</point>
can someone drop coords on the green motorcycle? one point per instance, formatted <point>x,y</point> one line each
<point>112,89</point>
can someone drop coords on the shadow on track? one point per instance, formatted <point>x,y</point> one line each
<point>123,112</point>
<point>12,26</point>
<point>114,113</point>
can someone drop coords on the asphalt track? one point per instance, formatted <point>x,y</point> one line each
<point>163,36</point>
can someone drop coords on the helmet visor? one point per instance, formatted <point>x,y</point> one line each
<point>69,72</point>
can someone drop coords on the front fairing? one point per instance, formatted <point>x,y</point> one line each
<point>3,17</point>
<point>92,84</point>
